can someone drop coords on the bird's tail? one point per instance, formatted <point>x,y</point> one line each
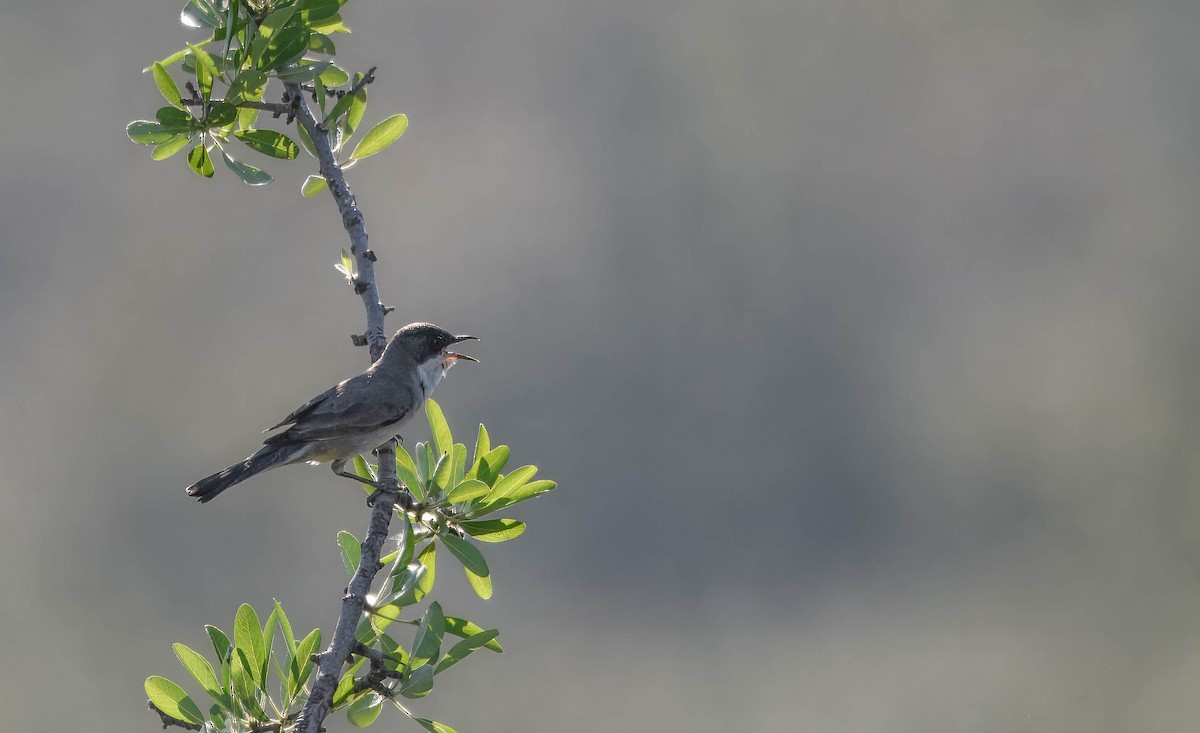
<point>268,456</point>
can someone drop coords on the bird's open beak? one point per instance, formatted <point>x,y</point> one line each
<point>452,357</point>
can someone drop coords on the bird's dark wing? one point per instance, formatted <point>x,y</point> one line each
<point>359,405</point>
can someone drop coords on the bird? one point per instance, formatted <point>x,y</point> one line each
<point>355,416</point>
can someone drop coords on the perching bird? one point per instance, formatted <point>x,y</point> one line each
<point>358,414</point>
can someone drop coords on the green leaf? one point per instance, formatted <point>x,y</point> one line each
<point>199,14</point>
<point>363,711</point>
<point>464,628</point>
<point>172,700</point>
<point>493,530</point>
<point>221,115</point>
<point>481,584</point>
<point>302,71</point>
<point>357,108</point>
<point>483,444</point>
<point>321,43</point>
<point>516,496</point>
<point>351,551</point>
<point>175,119</point>
<point>199,162</point>
<point>301,664</point>
<point>428,641</point>
<point>442,472</point>
<point>381,136</point>
<point>342,106</point>
<point>334,76</point>
<point>270,26</point>
<point>220,641</point>
<point>383,616</point>
<point>492,464</point>
<point>458,458</point>
<point>206,71</point>
<point>406,470</point>
<point>269,142</point>
<point>245,681</point>
<point>395,656</point>
<point>433,726</point>
<point>467,490</point>
<point>346,685</point>
<point>423,454</point>
<point>407,584</point>
<point>248,173</point>
<point>428,559</point>
<point>418,682</point>
<point>319,9</point>
<point>168,148</point>
<point>202,671</point>
<point>145,132</point>
<point>467,554</point>
<point>247,86</point>
<point>332,24</point>
<point>511,483</point>
<point>166,85</point>
<point>285,46</point>
<point>462,649</point>
<point>313,185</point>
<point>248,637</point>
<point>285,626</point>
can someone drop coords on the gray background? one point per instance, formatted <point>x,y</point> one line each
<point>860,337</point>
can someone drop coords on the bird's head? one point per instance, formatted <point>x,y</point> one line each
<point>429,346</point>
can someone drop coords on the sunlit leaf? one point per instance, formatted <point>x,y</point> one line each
<point>418,682</point>
<point>433,726</point>
<point>462,649</point>
<point>168,148</point>
<point>248,637</point>
<point>406,470</point>
<point>467,490</point>
<point>269,142</point>
<point>200,162</point>
<point>428,641</point>
<point>351,551</point>
<point>313,185</point>
<point>334,76</point>
<point>381,136</point>
<point>172,700</point>
<point>363,711</point>
<point>146,132</point>
<point>467,554</point>
<point>464,628</point>
<point>202,672</point>
<point>199,14</point>
<point>166,85</point>
<point>248,173</point>
<point>493,530</point>
<point>481,584</point>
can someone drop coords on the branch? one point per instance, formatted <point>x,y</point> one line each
<point>352,220</point>
<point>333,659</point>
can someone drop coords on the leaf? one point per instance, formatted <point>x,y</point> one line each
<point>342,106</point>
<point>248,637</point>
<point>247,86</point>
<point>166,85</point>
<point>321,43</point>
<point>363,711</point>
<point>202,671</point>
<point>406,470</point>
<point>221,115</point>
<point>248,173</point>
<point>467,490</point>
<point>518,495</point>
<point>168,148</point>
<point>269,142</point>
<point>407,584</point>
<point>462,649</point>
<point>302,71</point>
<point>313,185</point>
<point>320,9</point>
<point>351,551</point>
<point>382,617</point>
<point>425,463</point>
<point>381,136</point>
<point>206,71</point>
<point>172,700</point>
<point>145,132</point>
<point>301,664</point>
<point>199,14</point>
<point>483,444</point>
<point>395,656</point>
<point>332,24</point>
<point>481,584</point>
<point>199,162</point>
<point>334,76</point>
<point>492,464</point>
<point>428,641</point>
<point>357,108</point>
<point>511,483</point>
<point>346,685</point>
<point>220,641</point>
<point>418,682</point>
<point>493,530</point>
<point>458,458</point>
<point>428,560</point>
<point>285,46</point>
<point>442,472</point>
<point>285,626</point>
<point>433,726</point>
<point>467,554</point>
<point>270,26</point>
<point>464,628</point>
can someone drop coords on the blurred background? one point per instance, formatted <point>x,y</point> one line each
<point>860,337</point>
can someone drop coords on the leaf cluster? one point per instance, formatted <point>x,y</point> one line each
<point>249,44</point>
<point>456,499</point>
